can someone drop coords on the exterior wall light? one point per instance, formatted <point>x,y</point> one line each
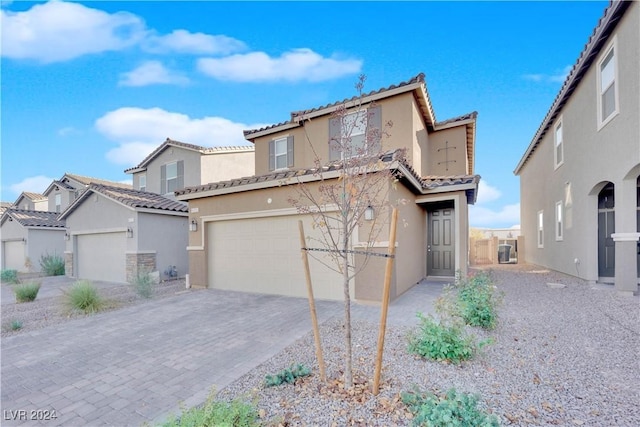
<point>193,225</point>
<point>129,232</point>
<point>66,235</point>
<point>368,213</point>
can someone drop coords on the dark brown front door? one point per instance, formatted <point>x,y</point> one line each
<point>606,226</point>
<point>441,243</point>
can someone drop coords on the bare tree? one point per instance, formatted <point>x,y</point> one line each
<point>338,205</point>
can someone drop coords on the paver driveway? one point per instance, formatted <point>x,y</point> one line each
<point>135,365</point>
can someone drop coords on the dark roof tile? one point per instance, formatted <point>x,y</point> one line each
<point>28,218</point>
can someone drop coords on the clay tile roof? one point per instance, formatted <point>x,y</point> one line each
<point>33,196</point>
<point>420,78</point>
<point>441,181</point>
<point>87,180</point>
<point>63,185</point>
<point>29,218</point>
<point>468,116</point>
<point>139,199</point>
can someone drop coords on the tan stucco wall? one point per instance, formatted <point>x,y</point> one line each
<point>38,241</point>
<point>167,236</point>
<point>226,165</point>
<point>192,170</point>
<point>592,157</point>
<point>456,137</point>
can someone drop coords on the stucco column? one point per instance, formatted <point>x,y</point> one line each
<point>626,262</point>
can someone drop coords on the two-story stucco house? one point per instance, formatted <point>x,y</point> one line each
<point>62,192</point>
<point>580,175</point>
<point>245,235</point>
<point>174,165</point>
<point>30,201</point>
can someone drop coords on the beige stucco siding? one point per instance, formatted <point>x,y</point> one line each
<point>192,168</point>
<point>226,165</point>
<point>35,242</point>
<point>592,157</point>
<point>438,154</point>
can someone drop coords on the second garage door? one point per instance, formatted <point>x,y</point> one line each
<point>14,255</point>
<point>102,257</point>
<point>263,255</point>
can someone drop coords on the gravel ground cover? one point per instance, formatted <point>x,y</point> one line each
<point>563,354</point>
<point>48,311</point>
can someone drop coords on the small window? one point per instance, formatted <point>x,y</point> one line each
<point>354,134</point>
<point>58,199</point>
<point>281,153</point>
<point>607,86</point>
<point>142,183</point>
<point>172,177</point>
<point>559,221</point>
<point>541,229</point>
<point>558,154</point>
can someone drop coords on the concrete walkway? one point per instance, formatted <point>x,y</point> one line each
<point>135,365</point>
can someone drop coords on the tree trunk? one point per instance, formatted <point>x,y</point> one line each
<point>348,374</point>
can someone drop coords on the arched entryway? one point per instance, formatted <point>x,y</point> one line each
<point>606,227</point>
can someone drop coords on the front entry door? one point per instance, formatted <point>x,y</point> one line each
<point>441,243</point>
<point>606,227</point>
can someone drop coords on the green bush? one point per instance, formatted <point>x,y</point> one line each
<point>452,409</point>
<point>216,413</point>
<point>26,292</point>
<point>287,375</point>
<point>478,300</point>
<point>52,265</point>
<point>16,325</point>
<point>83,296</point>
<point>143,284</point>
<point>9,276</point>
<point>440,341</point>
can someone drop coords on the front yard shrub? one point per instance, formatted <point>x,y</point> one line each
<point>452,409</point>
<point>441,341</point>
<point>287,375</point>
<point>9,276</point>
<point>52,265</point>
<point>26,292</point>
<point>143,284</point>
<point>478,300</point>
<point>83,296</point>
<point>214,413</point>
<point>16,325</point>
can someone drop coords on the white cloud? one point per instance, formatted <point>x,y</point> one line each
<point>487,193</point>
<point>59,31</point>
<point>33,184</point>
<point>480,216</point>
<point>295,65</point>
<point>139,131</point>
<point>182,41</point>
<point>69,131</point>
<point>149,73</point>
<point>558,77</point>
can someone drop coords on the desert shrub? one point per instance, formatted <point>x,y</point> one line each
<point>9,276</point>
<point>83,296</point>
<point>478,300</point>
<point>287,375</point>
<point>16,325</point>
<point>214,413</point>
<point>52,265</point>
<point>26,292</point>
<point>441,340</point>
<point>143,284</point>
<point>452,409</point>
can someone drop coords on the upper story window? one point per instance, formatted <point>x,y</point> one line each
<point>607,85</point>
<point>559,221</point>
<point>281,153</point>
<point>558,154</point>
<point>171,177</point>
<point>142,183</point>
<point>352,134</point>
<point>58,199</point>
<point>540,229</point>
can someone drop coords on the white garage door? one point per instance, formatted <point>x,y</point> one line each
<point>263,255</point>
<point>14,255</point>
<point>101,257</point>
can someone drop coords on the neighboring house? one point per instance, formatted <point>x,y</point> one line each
<point>175,165</point>
<point>580,176</point>
<point>29,201</point>
<point>4,206</point>
<point>27,235</point>
<point>62,192</point>
<point>246,232</point>
<point>115,232</point>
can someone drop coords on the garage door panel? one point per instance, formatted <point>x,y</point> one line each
<point>263,255</point>
<point>14,255</point>
<point>102,257</point>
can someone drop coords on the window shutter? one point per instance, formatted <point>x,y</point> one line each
<point>290,151</point>
<point>374,130</point>
<point>180,183</point>
<point>334,138</point>
<point>163,179</point>
<point>272,155</point>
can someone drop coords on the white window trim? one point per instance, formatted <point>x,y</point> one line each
<point>343,136</point>
<point>58,201</point>
<point>140,179</point>
<point>559,224</point>
<point>612,45</point>
<point>167,179</point>
<point>540,229</point>
<point>560,124</point>
<point>275,153</point>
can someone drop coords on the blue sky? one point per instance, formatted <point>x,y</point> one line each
<point>92,87</point>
